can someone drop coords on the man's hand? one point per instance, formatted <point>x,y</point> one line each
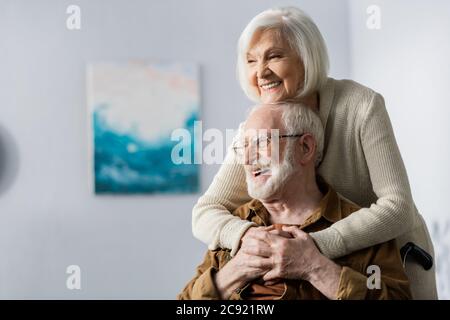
<point>240,270</point>
<point>294,257</point>
<point>297,257</point>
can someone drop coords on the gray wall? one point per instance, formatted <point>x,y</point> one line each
<point>127,247</point>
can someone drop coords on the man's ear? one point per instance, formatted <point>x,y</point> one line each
<point>308,148</point>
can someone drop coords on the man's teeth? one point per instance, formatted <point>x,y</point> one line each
<point>271,85</point>
<point>260,172</point>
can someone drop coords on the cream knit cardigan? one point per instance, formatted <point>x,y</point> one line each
<point>361,161</point>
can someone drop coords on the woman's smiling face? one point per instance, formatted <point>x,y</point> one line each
<point>274,69</point>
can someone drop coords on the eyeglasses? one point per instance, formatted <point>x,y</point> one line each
<point>261,143</point>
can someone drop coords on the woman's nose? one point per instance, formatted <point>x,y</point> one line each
<point>263,70</point>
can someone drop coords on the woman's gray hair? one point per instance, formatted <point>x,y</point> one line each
<point>301,33</point>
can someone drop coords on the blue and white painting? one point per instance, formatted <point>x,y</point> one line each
<point>134,107</point>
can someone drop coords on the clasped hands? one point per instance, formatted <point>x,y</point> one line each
<point>274,254</point>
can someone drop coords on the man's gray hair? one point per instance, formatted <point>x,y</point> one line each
<point>299,119</point>
<point>302,34</point>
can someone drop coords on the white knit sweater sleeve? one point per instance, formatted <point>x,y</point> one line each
<point>212,221</point>
<point>393,213</point>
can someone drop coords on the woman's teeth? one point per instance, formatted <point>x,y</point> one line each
<point>271,85</point>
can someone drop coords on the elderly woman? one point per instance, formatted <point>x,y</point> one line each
<point>282,57</point>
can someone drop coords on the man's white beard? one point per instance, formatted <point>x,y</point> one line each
<point>279,175</point>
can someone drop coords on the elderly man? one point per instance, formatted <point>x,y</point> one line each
<point>281,146</point>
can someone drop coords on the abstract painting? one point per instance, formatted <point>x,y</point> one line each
<point>133,109</point>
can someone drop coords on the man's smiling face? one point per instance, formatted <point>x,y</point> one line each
<point>264,176</point>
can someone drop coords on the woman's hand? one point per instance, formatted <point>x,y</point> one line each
<point>253,243</point>
<point>293,257</point>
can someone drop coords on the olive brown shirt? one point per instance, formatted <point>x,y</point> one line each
<point>356,267</point>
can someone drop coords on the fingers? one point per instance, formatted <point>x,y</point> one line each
<point>271,276</point>
<point>271,282</point>
<point>260,249</point>
<point>254,231</point>
<point>260,263</point>
<point>261,242</point>
<point>260,229</point>
<point>250,266</point>
<point>294,231</point>
<point>255,267</point>
<point>281,233</point>
<point>265,236</point>
<point>252,242</point>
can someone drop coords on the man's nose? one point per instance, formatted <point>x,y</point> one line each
<point>251,156</point>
